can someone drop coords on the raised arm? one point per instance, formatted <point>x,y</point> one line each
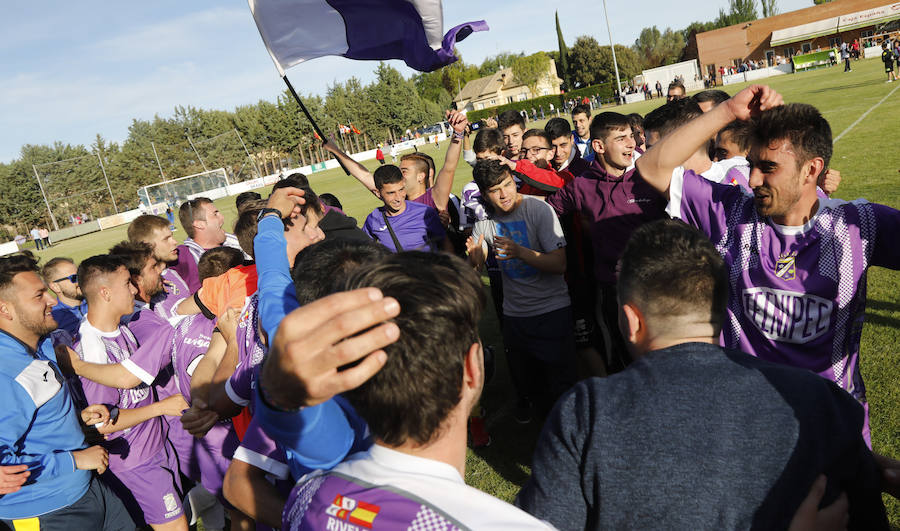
<point>658,163</point>
<point>357,170</point>
<point>443,181</point>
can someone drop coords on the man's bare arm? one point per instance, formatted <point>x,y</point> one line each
<point>357,170</point>
<point>657,164</point>
<point>443,181</point>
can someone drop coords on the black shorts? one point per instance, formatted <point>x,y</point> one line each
<point>888,67</point>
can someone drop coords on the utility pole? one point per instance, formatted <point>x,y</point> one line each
<point>612,47</point>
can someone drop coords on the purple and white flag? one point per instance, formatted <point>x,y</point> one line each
<point>295,31</point>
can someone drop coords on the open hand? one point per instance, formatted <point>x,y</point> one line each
<point>285,200</point>
<point>314,342</point>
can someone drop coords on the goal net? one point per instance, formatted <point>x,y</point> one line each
<point>212,184</point>
<point>75,188</point>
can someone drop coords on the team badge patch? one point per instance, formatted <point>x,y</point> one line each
<point>785,268</point>
<point>355,512</point>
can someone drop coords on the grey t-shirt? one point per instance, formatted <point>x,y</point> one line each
<point>526,290</point>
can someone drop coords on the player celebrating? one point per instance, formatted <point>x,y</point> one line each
<point>797,262</point>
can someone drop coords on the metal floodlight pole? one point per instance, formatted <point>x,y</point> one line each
<point>158,165</point>
<point>44,195</point>
<point>105,178</point>
<point>258,173</point>
<point>195,153</point>
<point>612,47</point>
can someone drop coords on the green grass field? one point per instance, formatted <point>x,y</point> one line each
<point>869,166</point>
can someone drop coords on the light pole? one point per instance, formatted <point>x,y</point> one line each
<point>612,48</point>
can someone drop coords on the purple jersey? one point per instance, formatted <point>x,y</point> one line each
<point>251,351</point>
<point>259,450</point>
<point>797,294</point>
<point>152,362</point>
<point>175,289</point>
<point>614,206</point>
<point>418,227</point>
<point>426,199</point>
<point>132,446</point>
<point>200,459</point>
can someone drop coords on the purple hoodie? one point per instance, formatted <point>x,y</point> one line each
<point>614,206</point>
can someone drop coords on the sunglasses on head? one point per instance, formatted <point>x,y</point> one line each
<point>73,278</point>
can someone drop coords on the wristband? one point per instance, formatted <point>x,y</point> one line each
<point>458,135</point>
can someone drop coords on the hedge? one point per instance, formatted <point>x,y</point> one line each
<point>604,90</point>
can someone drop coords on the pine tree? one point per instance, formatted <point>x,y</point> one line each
<point>563,67</point>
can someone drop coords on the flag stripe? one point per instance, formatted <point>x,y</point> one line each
<point>299,31</point>
<point>412,30</point>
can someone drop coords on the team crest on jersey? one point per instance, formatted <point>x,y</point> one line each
<point>785,268</point>
<point>352,511</point>
<point>170,287</point>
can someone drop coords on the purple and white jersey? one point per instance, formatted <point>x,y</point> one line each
<point>797,294</point>
<point>385,489</point>
<point>175,290</point>
<point>132,446</point>
<point>189,344</point>
<point>152,362</point>
<point>471,202</point>
<point>251,351</point>
<point>259,450</point>
<point>200,459</point>
<point>734,171</point>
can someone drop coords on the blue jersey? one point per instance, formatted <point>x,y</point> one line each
<point>40,428</point>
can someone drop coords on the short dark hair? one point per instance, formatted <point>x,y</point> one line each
<point>322,268</point>
<point>301,182</point>
<point>387,174</point>
<point>489,139</point>
<point>539,133</point>
<point>669,117</point>
<point>245,227</point>
<point>558,127</point>
<point>141,229</point>
<point>421,382</point>
<point>713,95</point>
<point>90,269</point>
<point>581,108</point>
<point>800,123</point>
<point>331,200</point>
<point>421,164</point>
<point>606,122</point>
<point>635,120</point>
<point>294,179</point>
<point>740,132</point>
<point>488,173</point>
<point>510,118</point>
<point>15,263</point>
<point>217,261</point>
<point>190,211</point>
<point>677,84</point>
<point>671,269</point>
<point>133,254</point>
<point>48,271</point>
<point>243,197</point>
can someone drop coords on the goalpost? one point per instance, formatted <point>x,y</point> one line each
<point>212,184</point>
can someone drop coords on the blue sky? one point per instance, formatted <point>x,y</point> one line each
<point>71,70</point>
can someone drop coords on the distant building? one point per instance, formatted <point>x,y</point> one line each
<point>779,37</point>
<point>502,87</point>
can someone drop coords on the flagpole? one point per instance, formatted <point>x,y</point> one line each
<point>310,118</point>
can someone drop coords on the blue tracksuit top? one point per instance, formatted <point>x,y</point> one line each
<point>39,426</point>
<point>317,437</point>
